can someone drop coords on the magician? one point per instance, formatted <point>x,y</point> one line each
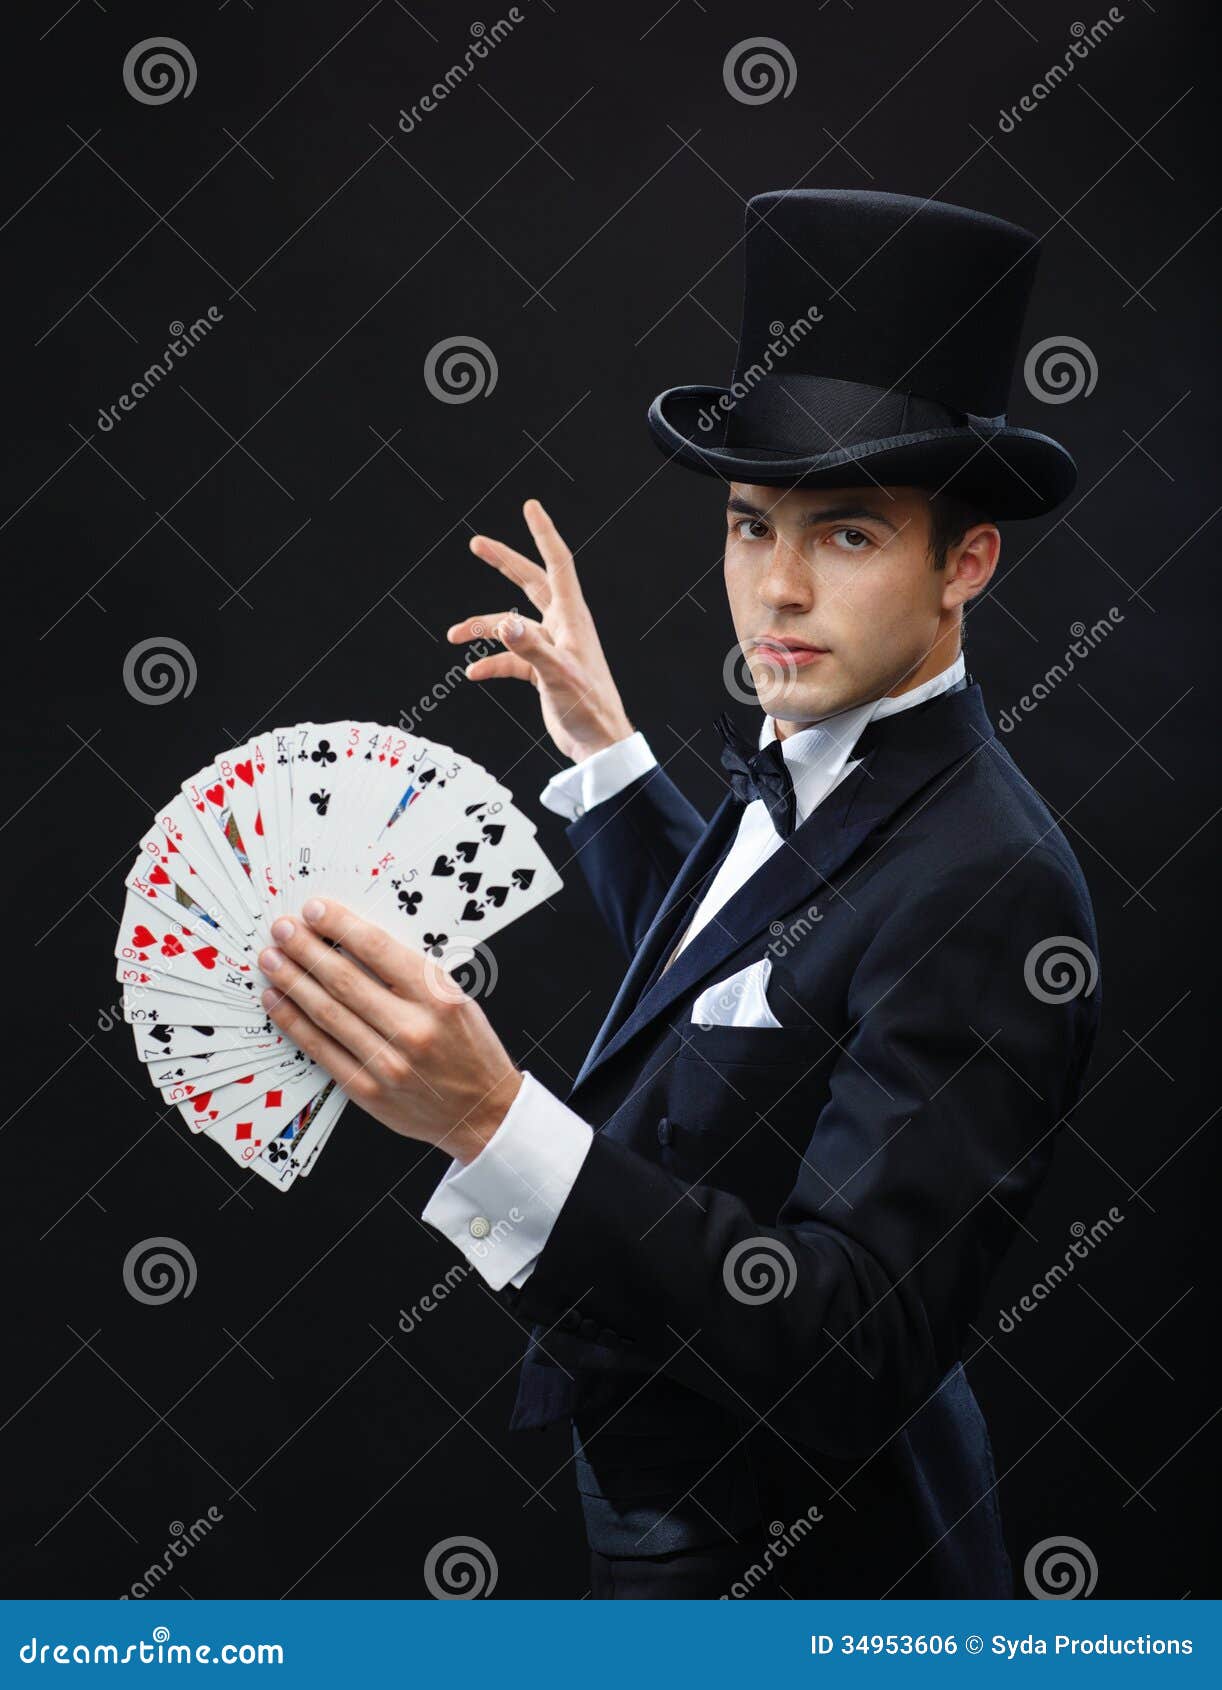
<point>753,1238</point>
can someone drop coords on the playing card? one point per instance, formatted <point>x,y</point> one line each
<point>405,830</point>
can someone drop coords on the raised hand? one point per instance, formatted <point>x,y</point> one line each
<point>560,654</point>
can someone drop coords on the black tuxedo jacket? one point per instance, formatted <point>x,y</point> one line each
<point>872,1155</point>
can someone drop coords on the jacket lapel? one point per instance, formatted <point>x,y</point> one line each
<point>677,908</point>
<point>900,754</point>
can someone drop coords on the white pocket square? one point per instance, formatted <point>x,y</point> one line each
<point>738,1001</point>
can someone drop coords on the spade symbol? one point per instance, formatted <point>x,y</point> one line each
<point>470,881</point>
<point>473,911</point>
<point>163,1035</point>
<point>522,877</point>
<point>494,832</point>
<point>443,866</point>
<point>497,894</point>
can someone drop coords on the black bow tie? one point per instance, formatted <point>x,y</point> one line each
<point>759,772</point>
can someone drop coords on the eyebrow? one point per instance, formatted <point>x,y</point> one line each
<point>814,519</point>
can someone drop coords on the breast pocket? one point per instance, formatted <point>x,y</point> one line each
<point>742,1103</point>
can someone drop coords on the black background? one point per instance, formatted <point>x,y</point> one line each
<point>294,506</point>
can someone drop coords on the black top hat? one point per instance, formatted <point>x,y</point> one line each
<point>878,341</point>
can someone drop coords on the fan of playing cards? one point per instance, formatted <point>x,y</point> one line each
<point>407,833</point>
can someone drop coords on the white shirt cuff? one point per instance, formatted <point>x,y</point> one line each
<point>499,1208</point>
<point>600,776</point>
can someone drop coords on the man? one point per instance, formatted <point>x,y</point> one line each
<point>754,1237</point>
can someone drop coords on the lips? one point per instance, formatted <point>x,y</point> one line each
<point>793,647</point>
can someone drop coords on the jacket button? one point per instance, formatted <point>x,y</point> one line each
<point>664,1132</point>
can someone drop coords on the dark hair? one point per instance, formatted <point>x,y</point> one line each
<point>949,520</point>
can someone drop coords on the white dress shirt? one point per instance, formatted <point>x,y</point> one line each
<point>499,1208</point>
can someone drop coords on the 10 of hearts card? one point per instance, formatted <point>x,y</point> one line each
<point>408,833</point>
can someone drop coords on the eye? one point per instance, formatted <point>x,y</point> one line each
<point>749,522</point>
<point>850,539</point>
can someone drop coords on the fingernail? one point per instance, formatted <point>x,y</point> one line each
<point>270,961</point>
<point>282,930</point>
<point>314,910</point>
<point>513,627</point>
<point>272,999</point>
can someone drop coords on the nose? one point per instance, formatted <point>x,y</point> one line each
<point>787,582</point>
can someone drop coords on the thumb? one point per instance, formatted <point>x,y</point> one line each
<point>529,640</point>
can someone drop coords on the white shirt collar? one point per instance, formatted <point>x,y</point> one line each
<point>818,755</point>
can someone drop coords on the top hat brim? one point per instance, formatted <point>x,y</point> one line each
<point>1008,472</point>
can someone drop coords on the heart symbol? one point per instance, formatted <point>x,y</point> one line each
<point>214,794</point>
<point>199,805</point>
<point>171,947</point>
<point>206,956</point>
<point>143,938</point>
<point>202,1101</point>
<point>159,877</point>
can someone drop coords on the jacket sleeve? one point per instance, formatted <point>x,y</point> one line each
<point>837,1317</point>
<point>631,847</point>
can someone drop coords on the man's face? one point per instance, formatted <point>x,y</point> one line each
<point>834,596</point>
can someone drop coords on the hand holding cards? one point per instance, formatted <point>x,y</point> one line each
<point>406,833</point>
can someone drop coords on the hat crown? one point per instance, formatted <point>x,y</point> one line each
<point>915,296</point>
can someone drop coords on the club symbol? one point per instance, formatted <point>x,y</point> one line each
<point>277,1152</point>
<point>409,902</point>
<point>435,942</point>
<point>320,800</point>
<point>324,753</point>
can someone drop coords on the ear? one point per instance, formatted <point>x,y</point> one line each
<point>970,564</point>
